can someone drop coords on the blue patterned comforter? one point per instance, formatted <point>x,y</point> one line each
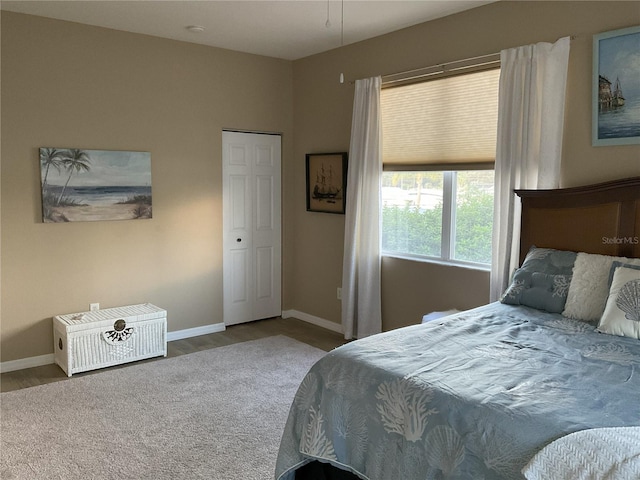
<point>472,396</point>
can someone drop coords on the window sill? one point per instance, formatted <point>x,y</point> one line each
<point>436,261</point>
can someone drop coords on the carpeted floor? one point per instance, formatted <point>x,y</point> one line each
<point>216,414</point>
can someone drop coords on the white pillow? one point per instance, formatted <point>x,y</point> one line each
<point>589,286</point>
<point>622,313</point>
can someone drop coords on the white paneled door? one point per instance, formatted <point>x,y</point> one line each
<point>251,211</point>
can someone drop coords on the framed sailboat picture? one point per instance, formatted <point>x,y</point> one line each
<point>616,87</point>
<point>326,182</point>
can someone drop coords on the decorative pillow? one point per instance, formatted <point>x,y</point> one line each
<point>615,265</point>
<point>538,290</point>
<point>622,312</point>
<point>589,286</point>
<point>550,261</point>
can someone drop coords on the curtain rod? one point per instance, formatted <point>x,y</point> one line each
<point>482,62</point>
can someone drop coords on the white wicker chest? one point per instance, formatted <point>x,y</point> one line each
<point>103,338</point>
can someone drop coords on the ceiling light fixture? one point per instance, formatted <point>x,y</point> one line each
<point>195,28</point>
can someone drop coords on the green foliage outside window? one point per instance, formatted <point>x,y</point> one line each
<point>416,231</point>
<point>474,223</point>
<point>410,230</point>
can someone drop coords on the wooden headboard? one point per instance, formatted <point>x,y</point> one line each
<point>602,218</point>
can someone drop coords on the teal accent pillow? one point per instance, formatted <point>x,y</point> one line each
<point>549,261</point>
<point>541,291</point>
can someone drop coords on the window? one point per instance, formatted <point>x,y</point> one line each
<point>444,215</point>
<point>439,140</point>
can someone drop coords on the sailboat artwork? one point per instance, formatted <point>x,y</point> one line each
<point>618,99</point>
<point>326,182</point>
<point>616,88</point>
<point>609,97</point>
<point>325,188</point>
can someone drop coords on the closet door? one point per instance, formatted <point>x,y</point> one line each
<point>251,184</point>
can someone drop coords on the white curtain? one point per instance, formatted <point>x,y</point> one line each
<point>530,122</point>
<point>361,299</point>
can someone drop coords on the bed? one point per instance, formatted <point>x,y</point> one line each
<point>543,384</point>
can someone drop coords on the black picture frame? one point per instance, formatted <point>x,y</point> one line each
<point>326,182</point>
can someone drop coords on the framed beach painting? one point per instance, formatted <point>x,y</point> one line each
<point>81,185</point>
<point>616,87</point>
<point>326,182</point>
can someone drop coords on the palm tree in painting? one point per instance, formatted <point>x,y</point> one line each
<point>74,160</point>
<point>50,157</point>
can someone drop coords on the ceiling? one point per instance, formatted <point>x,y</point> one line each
<point>288,29</point>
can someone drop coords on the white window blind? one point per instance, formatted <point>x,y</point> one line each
<point>444,124</point>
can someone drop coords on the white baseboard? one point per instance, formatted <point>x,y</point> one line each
<point>29,362</point>
<point>21,363</point>
<point>195,332</point>
<point>321,322</point>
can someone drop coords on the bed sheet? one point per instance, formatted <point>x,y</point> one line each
<point>474,395</point>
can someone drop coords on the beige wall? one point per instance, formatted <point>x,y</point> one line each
<point>322,114</point>
<point>69,85</point>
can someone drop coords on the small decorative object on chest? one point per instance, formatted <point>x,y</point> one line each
<point>103,338</point>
